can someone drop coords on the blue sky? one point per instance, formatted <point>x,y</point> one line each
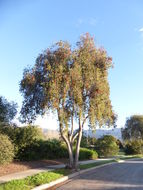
<point>28,27</point>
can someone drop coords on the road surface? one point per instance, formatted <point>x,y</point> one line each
<point>120,176</point>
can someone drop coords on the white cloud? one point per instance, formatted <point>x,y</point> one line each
<point>92,21</point>
<point>80,21</point>
<point>88,21</point>
<point>141,30</point>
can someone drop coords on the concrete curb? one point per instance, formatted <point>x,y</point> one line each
<point>65,178</point>
<point>120,161</point>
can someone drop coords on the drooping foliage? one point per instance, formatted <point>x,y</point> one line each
<point>92,89</point>
<point>71,83</point>
<point>62,78</point>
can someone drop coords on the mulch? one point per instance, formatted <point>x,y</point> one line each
<point>18,166</point>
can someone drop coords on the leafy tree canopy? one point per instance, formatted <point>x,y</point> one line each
<point>133,128</point>
<point>73,83</point>
<point>7,110</point>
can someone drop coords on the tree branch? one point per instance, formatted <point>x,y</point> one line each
<point>75,136</point>
<point>71,134</point>
<point>84,121</point>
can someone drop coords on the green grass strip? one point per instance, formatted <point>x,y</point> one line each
<point>32,181</point>
<point>86,166</point>
<point>130,157</point>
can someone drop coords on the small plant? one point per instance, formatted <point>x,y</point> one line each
<point>6,149</point>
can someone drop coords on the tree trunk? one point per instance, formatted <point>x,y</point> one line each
<point>70,151</point>
<point>71,160</point>
<point>78,147</point>
<point>67,141</point>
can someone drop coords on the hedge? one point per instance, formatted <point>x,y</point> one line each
<point>52,149</point>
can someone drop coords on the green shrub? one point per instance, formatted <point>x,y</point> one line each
<point>6,149</point>
<point>134,147</point>
<point>86,154</point>
<point>49,149</point>
<point>106,146</point>
<point>21,137</point>
<point>52,149</point>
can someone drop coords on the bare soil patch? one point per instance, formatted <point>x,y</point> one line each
<point>18,166</point>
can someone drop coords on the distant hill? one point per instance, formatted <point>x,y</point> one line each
<point>116,132</point>
<point>50,134</point>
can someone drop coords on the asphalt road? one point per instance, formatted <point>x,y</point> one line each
<point>120,176</point>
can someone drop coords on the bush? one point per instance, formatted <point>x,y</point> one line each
<point>134,147</point>
<point>86,154</point>
<point>52,149</point>
<point>49,149</point>
<point>21,137</point>
<point>107,146</point>
<point>26,136</point>
<point>6,149</point>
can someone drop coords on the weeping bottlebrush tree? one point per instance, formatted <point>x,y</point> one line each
<point>74,85</point>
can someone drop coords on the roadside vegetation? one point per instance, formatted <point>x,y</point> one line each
<point>32,181</point>
<point>45,177</point>
<point>27,143</point>
<point>91,165</point>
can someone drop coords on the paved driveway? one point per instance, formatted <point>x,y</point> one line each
<point>120,176</point>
